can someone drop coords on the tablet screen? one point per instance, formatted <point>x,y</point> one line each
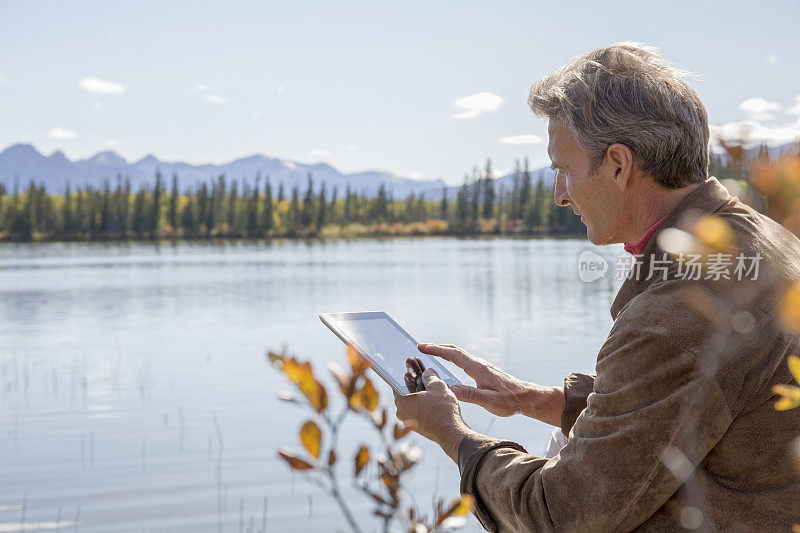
<point>385,343</point>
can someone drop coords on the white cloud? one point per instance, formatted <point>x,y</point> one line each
<point>759,109</point>
<point>201,88</point>
<point>281,88</point>
<point>772,59</point>
<point>98,86</point>
<point>112,143</point>
<point>61,133</point>
<point>795,109</point>
<point>2,78</point>
<point>521,139</point>
<point>98,104</point>
<point>214,99</point>
<point>753,132</point>
<point>320,153</point>
<point>475,105</point>
<point>351,148</point>
<point>499,173</point>
<point>415,175</point>
<point>257,113</point>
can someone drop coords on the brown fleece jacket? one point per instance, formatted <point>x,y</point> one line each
<point>677,429</point>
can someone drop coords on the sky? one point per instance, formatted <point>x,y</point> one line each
<point>421,89</point>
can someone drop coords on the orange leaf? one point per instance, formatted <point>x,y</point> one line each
<point>311,436</point>
<point>331,458</point>
<point>276,359</point>
<point>794,366</point>
<point>345,383</point>
<point>790,308</point>
<point>295,463</point>
<point>789,397</point>
<point>714,232</point>
<point>302,375</point>
<point>459,507</point>
<point>358,364</point>
<point>400,432</point>
<point>366,397</point>
<point>362,458</point>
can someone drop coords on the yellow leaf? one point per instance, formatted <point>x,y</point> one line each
<point>358,364</point>
<point>276,359</point>
<point>459,507</point>
<point>714,232</point>
<point>789,397</point>
<point>311,436</point>
<point>365,398</point>
<point>295,463</point>
<point>400,432</point>
<point>302,375</point>
<point>362,458</point>
<point>794,366</point>
<point>345,383</point>
<point>790,308</point>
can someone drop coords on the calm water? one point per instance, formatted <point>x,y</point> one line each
<point>116,361</point>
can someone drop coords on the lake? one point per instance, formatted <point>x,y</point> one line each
<point>135,395</point>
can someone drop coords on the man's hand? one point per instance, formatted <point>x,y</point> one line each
<point>434,413</point>
<point>499,392</point>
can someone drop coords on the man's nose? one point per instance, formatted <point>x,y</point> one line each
<point>560,196</point>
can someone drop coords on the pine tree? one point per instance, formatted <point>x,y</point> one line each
<point>267,215</point>
<point>321,208</point>
<point>307,213</point>
<point>155,216</point>
<point>173,204</point>
<point>488,192</point>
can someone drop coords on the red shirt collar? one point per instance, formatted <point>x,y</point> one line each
<point>635,248</point>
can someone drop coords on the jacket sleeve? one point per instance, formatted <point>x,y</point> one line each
<point>577,388</point>
<point>612,474</point>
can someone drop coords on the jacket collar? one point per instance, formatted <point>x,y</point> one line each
<point>707,198</point>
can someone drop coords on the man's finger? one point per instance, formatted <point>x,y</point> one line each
<point>430,377</point>
<point>451,353</point>
<point>468,394</point>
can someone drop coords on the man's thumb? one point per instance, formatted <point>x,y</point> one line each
<point>429,376</point>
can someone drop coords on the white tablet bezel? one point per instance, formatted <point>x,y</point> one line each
<point>329,320</point>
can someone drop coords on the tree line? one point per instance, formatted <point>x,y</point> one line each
<point>255,208</point>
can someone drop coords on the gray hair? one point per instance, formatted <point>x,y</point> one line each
<point>626,93</point>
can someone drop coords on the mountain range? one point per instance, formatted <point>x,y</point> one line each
<point>21,163</point>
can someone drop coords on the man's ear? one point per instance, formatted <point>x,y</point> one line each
<point>620,162</point>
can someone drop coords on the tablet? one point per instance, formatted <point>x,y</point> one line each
<point>382,342</point>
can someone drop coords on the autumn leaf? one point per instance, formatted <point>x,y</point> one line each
<point>790,308</point>
<point>331,458</point>
<point>276,359</point>
<point>362,458</point>
<point>400,432</point>
<point>295,462</point>
<point>311,436</point>
<point>345,383</point>
<point>358,364</point>
<point>714,232</point>
<point>789,397</point>
<point>302,375</point>
<point>794,366</point>
<point>366,397</point>
<point>458,508</point>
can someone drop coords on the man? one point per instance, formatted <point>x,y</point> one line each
<point>677,429</point>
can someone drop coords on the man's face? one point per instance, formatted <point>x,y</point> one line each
<point>595,198</point>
